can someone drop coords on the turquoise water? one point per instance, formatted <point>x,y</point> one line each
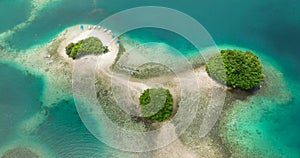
<point>62,133</point>
<point>146,35</point>
<point>19,99</point>
<point>264,25</point>
<point>18,11</point>
<point>271,27</point>
<point>265,125</point>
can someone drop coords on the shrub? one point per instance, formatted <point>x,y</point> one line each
<point>156,104</point>
<point>69,48</point>
<point>236,68</point>
<point>91,45</point>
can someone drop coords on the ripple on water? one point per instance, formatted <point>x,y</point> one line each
<point>66,135</point>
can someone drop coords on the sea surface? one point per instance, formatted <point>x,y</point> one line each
<point>270,28</point>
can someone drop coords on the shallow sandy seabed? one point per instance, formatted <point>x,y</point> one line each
<point>243,136</point>
<point>19,152</point>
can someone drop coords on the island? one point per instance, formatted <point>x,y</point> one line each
<point>236,69</point>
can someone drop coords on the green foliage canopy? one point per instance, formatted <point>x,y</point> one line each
<point>236,68</point>
<point>156,104</point>
<point>91,45</point>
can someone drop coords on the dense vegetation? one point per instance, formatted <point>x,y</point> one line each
<point>156,104</point>
<point>236,68</point>
<point>91,45</point>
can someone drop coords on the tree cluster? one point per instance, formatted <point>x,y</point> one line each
<point>236,68</point>
<point>156,104</point>
<point>91,45</point>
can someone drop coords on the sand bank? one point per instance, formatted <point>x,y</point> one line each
<point>58,78</point>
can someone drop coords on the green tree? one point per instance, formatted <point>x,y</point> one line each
<point>91,45</point>
<point>236,68</point>
<point>156,104</point>
<point>69,48</point>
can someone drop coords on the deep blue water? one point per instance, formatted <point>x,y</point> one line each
<point>271,27</point>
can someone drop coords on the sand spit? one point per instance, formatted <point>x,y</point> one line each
<point>53,64</point>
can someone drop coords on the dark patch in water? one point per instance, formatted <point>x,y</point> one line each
<point>19,153</point>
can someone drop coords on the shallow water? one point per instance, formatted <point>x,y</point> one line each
<point>18,11</point>
<point>19,99</point>
<point>271,27</point>
<point>62,132</point>
<point>65,134</point>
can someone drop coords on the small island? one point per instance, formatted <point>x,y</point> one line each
<point>236,69</point>
<point>88,46</point>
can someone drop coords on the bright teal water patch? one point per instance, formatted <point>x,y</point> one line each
<point>146,35</point>
<point>13,13</point>
<point>282,125</point>
<point>19,99</point>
